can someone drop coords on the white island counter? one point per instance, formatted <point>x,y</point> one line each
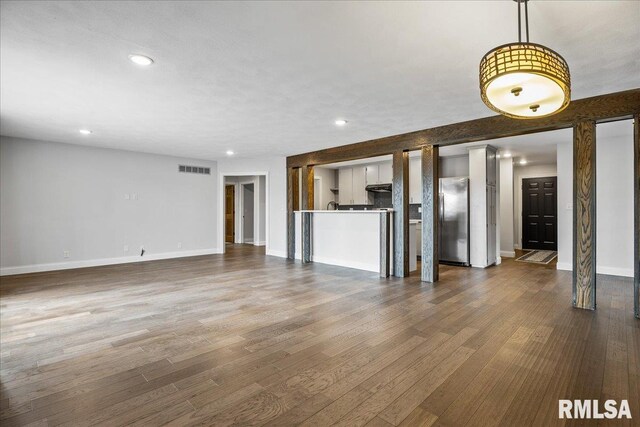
<point>349,239</point>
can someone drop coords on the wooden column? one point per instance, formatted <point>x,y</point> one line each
<point>307,188</point>
<point>636,215</point>
<point>293,205</point>
<point>305,220</point>
<point>401,214</point>
<point>584,215</point>
<point>430,205</point>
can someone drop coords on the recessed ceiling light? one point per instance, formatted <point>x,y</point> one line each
<point>341,122</point>
<point>140,59</point>
<point>85,131</point>
<point>505,155</point>
<point>523,162</point>
<point>230,153</point>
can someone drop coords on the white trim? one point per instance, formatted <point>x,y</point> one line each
<point>348,264</point>
<point>35,268</point>
<point>260,243</point>
<point>615,271</point>
<point>280,254</point>
<point>508,254</point>
<point>611,271</point>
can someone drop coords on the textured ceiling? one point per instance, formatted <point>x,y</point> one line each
<point>269,78</point>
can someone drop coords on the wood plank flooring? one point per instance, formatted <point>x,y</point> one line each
<point>246,339</point>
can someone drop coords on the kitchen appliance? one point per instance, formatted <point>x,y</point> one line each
<point>454,220</point>
<point>379,188</point>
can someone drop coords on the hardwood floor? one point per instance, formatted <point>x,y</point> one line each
<point>247,339</point>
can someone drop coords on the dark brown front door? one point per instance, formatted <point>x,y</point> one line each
<point>229,214</point>
<point>540,213</point>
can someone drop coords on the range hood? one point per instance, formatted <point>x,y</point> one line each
<point>379,188</point>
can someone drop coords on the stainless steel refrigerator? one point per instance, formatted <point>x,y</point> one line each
<point>454,220</point>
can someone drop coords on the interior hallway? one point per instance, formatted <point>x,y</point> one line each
<point>251,339</point>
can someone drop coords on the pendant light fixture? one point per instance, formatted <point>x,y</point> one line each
<point>524,80</point>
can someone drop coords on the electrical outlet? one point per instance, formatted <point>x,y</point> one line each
<point>179,245</point>
<point>66,254</point>
<point>126,248</point>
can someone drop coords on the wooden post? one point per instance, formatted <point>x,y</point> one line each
<point>584,215</point>
<point>307,188</point>
<point>305,219</point>
<point>401,214</point>
<point>292,206</point>
<point>385,228</point>
<point>430,205</point>
<point>636,215</point>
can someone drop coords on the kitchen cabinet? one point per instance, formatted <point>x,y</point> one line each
<point>372,174</point>
<point>352,182</point>
<point>415,180</point>
<point>345,186</point>
<point>385,173</point>
<point>360,194</point>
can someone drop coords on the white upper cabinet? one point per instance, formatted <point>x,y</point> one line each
<point>415,180</point>
<point>372,175</point>
<point>360,194</point>
<point>345,186</point>
<point>351,185</point>
<point>385,173</point>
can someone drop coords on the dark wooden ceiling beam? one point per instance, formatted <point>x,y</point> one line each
<point>602,108</point>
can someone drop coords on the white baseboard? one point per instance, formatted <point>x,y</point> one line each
<point>508,254</point>
<point>281,254</point>
<point>615,271</point>
<point>349,264</point>
<point>611,271</point>
<point>36,268</point>
<point>261,243</point>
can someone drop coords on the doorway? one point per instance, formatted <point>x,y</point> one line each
<point>229,214</point>
<point>247,213</point>
<point>540,213</point>
<point>243,216</point>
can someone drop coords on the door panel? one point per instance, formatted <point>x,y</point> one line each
<point>539,213</point>
<point>229,214</point>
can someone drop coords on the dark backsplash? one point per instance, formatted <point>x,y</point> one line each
<point>380,201</point>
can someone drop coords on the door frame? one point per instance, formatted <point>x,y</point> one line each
<point>221,206</point>
<point>522,221</point>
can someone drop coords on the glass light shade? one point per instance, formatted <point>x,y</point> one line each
<point>525,81</point>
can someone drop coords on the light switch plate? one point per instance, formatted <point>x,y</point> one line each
<point>420,209</point>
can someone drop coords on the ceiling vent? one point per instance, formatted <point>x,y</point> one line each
<point>194,169</point>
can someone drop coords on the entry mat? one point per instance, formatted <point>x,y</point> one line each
<point>538,257</point>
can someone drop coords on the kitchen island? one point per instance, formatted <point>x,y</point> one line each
<point>352,238</point>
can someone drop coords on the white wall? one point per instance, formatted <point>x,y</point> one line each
<point>478,207</point>
<point>564,156</point>
<point>614,200</point>
<point>274,169</point>
<point>60,197</point>
<point>262,206</point>
<point>505,168</point>
<point>328,181</point>
<point>453,166</point>
<point>519,173</point>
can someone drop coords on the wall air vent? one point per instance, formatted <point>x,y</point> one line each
<point>194,169</point>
